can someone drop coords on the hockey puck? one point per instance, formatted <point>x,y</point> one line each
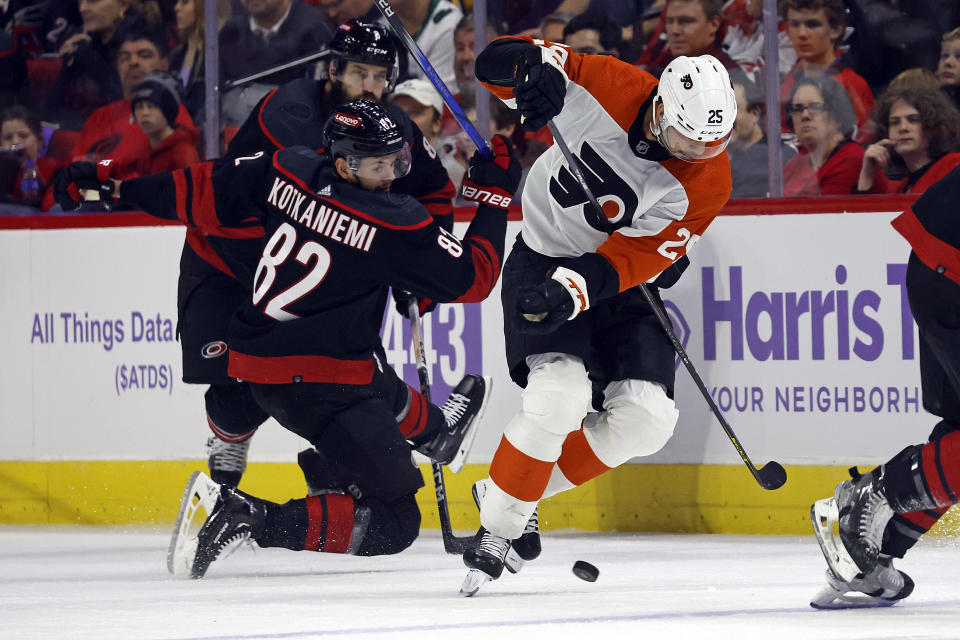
<point>585,571</point>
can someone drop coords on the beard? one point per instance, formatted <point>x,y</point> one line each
<point>338,96</point>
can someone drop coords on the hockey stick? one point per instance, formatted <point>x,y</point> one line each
<point>434,77</point>
<point>452,543</point>
<point>772,475</point>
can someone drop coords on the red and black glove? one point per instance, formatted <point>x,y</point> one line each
<point>493,181</point>
<point>540,87</point>
<point>402,300</point>
<point>71,180</point>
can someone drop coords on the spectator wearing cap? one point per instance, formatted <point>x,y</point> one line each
<point>141,53</point>
<point>155,104</point>
<point>423,104</point>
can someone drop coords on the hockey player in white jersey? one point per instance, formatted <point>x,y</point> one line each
<point>579,333</point>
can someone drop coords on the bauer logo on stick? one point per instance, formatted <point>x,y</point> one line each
<point>347,119</point>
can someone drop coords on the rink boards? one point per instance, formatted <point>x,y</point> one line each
<point>797,322</point>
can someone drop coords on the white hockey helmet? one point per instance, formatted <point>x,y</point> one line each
<point>699,108</point>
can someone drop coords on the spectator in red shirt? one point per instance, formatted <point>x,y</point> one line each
<point>828,163</point>
<point>814,27</point>
<point>155,104</point>
<point>141,52</point>
<point>918,129</point>
<point>691,28</point>
<point>21,137</point>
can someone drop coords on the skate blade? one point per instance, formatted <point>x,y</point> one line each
<point>472,583</point>
<point>456,465</point>
<point>829,598</point>
<point>824,516</point>
<point>200,493</point>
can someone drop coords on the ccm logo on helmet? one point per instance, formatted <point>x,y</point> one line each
<point>482,195</point>
<point>350,121</point>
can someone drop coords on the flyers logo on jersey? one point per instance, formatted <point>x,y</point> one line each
<point>687,82</point>
<point>348,120</point>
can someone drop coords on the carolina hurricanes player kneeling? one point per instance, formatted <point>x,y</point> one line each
<point>334,237</point>
<point>653,155</point>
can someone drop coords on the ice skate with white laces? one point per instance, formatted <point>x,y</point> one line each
<point>236,519</point>
<point>227,460</point>
<point>522,549</point>
<point>462,411</point>
<point>485,561</point>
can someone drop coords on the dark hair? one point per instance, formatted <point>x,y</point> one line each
<point>836,99</point>
<point>752,92</point>
<point>139,30</point>
<point>711,8</point>
<point>466,24</point>
<point>20,112</point>
<point>835,10</point>
<point>938,115</point>
<point>609,33</point>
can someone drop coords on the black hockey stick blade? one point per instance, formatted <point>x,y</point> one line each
<point>772,475</point>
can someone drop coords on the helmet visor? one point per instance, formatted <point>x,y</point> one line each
<point>386,167</point>
<point>688,149</point>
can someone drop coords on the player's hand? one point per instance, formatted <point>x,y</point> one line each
<point>402,300</point>
<point>70,182</point>
<point>493,181</point>
<point>540,85</point>
<point>545,307</point>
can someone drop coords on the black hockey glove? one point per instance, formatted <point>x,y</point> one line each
<point>540,87</point>
<point>493,181</point>
<point>402,300</point>
<point>70,181</point>
<point>543,308</point>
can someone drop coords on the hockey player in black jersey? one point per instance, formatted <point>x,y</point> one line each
<point>335,236</point>
<point>363,62</point>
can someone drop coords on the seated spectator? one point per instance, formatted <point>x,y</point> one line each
<point>339,11</point>
<point>551,27</point>
<point>141,52</point>
<point>587,33</point>
<point>21,138</point>
<point>271,33</point>
<point>748,145</point>
<point>815,27</point>
<point>88,78</point>
<point>423,104</point>
<point>155,105</point>
<point>948,69</point>
<point>822,117</point>
<point>465,54</point>
<point>690,28</point>
<point>186,59</point>
<point>432,24</point>
<point>918,129</point>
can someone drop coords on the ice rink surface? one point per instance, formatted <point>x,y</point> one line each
<point>67,583</point>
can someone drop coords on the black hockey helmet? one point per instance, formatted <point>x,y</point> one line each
<point>366,43</point>
<point>363,129</point>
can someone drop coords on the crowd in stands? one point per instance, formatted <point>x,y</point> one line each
<point>869,89</point>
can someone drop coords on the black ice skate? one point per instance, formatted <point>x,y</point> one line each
<point>462,410</point>
<point>860,510</point>
<point>227,460</point>
<point>485,561</point>
<point>236,519</point>
<point>522,549</point>
<point>882,587</point>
